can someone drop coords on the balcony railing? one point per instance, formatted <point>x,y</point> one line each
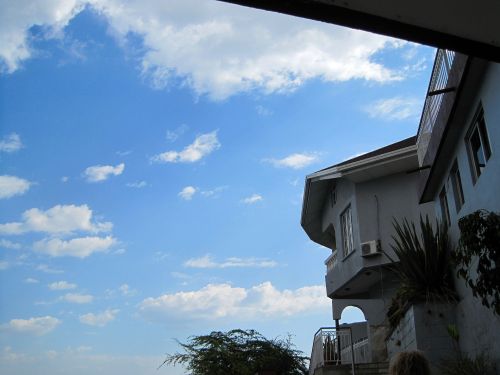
<point>334,347</point>
<point>438,87</point>
<point>331,261</point>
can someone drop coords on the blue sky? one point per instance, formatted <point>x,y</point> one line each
<point>152,161</point>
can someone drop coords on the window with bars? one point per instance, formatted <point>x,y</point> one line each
<point>346,225</point>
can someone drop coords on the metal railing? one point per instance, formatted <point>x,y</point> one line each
<point>331,261</point>
<point>438,87</point>
<point>332,347</point>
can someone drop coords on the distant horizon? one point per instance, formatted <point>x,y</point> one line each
<point>153,164</point>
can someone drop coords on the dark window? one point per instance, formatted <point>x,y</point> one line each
<point>456,184</point>
<point>445,212</point>
<point>478,146</point>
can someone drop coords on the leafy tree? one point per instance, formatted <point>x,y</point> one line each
<point>479,246</point>
<point>239,352</point>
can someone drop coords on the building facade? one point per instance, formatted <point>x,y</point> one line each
<point>449,170</point>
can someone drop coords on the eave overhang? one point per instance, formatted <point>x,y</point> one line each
<point>318,184</point>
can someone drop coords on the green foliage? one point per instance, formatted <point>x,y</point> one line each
<point>480,240</point>
<point>424,267</point>
<point>238,352</point>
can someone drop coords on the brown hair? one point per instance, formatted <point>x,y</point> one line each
<point>410,363</point>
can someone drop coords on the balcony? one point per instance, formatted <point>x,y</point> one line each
<point>439,85</point>
<point>331,262</point>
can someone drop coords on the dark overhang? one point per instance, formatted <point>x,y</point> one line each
<point>471,28</point>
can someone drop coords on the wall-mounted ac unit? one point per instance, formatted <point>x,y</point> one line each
<point>370,248</point>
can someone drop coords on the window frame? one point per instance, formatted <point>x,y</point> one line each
<point>445,210</point>
<point>479,132</point>
<point>456,186</point>
<point>347,231</point>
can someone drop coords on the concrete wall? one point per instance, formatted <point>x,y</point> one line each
<point>479,328</point>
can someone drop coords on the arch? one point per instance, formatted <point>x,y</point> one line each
<point>373,309</point>
<point>352,314</point>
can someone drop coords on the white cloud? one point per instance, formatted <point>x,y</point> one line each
<point>213,193</point>
<point>294,161</point>
<point>37,326</point>
<point>100,319</point>
<point>12,185</point>
<point>225,301</point>
<point>202,146</point>
<point>98,173</point>
<point>137,184</point>
<point>77,298</point>
<point>12,142</point>
<point>208,262</point>
<point>216,49</point>
<point>6,244</point>
<point>254,198</point>
<point>4,265</point>
<point>47,269</point>
<point>59,219</point>
<point>126,291</point>
<point>187,193</point>
<point>61,285</point>
<point>397,108</point>
<point>77,247</point>
<point>31,280</point>
<point>173,135</point>
<point>64,179</point>
<point>263,111</point>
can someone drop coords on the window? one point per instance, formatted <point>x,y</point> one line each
<point>346,225</point>
<point>445,212</point>
<point>478,146</point>
<point>333,196</point>
<point>456,184</point>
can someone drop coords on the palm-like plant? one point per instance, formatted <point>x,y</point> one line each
<point>424,266</point>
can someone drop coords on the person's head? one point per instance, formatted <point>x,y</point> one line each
<point>410,363</point>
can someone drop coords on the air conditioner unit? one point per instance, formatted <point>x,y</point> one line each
<point>370,248</point>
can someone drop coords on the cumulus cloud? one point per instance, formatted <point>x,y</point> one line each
<point>12,142</point>
<point>61,285</point>
<point>215,301</point>
<point>60,219</point>
<point>202,146</point>
<point>294,161</point>
<point>98,173</point>
<point>99,319</point>
<point>77,298</point>
<point>37,326</point>
<point>397,108</point>
<point>187,193</point>
<point>208,262</point>
<point>254,198</point>
<point>215,48</point>
<point>31,280</point>
<point>12,185</point>
<point>77,247</point>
